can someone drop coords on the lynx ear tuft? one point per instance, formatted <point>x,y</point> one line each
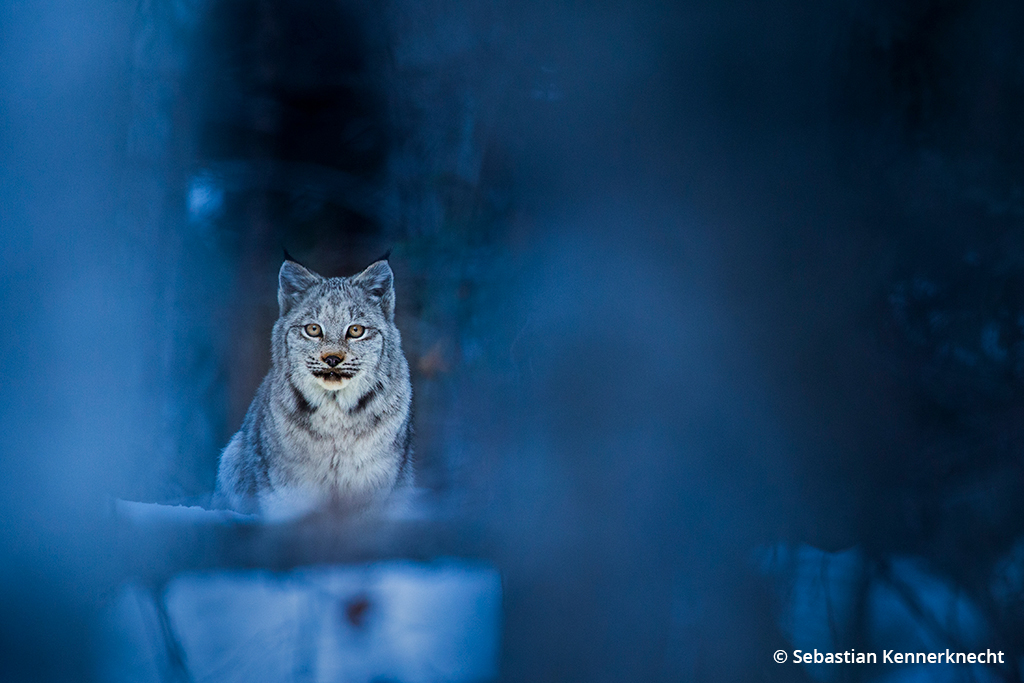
<point>292,282</point>
<point>379,283</point>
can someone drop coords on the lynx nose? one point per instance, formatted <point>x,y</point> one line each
<point>333,360</point>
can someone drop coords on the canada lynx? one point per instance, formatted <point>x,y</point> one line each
<point>330,424</point>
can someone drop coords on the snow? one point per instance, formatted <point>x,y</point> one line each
<point>157,513</point>
<point>395,620</point>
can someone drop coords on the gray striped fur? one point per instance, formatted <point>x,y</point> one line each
<point>317,435</point>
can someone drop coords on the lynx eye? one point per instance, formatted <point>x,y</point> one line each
<point>355,331</point>
<point>313,330</point>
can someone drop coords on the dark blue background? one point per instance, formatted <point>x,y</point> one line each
<point>680,283</point>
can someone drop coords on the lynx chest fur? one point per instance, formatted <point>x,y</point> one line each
<point>330,424</point>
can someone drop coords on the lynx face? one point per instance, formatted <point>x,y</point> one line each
<point>334,330</point>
